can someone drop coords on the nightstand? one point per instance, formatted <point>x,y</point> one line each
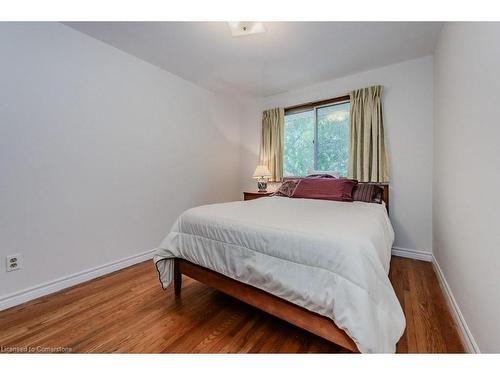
<point>249,195</point>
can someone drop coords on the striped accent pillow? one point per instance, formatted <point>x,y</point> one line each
<point>367,193</point>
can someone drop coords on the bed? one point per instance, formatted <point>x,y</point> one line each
<point>320,265</point>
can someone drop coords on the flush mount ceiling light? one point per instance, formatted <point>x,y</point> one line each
<point>245,28</point>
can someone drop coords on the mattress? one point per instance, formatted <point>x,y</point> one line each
<point>328,257</point>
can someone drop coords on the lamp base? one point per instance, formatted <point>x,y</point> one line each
<point>262,185</point>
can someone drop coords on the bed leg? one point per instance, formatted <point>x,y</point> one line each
<point>177,278</point>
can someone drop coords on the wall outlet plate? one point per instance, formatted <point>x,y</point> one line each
<point>13,262</point>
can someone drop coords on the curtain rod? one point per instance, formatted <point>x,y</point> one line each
<point>317,103</point>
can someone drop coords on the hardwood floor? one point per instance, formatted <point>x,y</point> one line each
<point>128,312</point>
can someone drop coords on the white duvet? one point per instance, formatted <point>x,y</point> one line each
<point>328,257</point>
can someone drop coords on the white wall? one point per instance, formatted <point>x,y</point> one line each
<point>408,113</point>
<point>99,152</point>
<point>466,173</point>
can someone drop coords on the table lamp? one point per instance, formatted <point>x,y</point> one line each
<point>262,174</point>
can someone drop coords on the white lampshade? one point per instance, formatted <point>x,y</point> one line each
<point>261,171</point>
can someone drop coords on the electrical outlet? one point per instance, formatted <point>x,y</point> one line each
<point>13,262</point>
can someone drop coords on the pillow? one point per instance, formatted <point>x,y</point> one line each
<point>286,189</point>
<point>312,172</point>
<point>325,188</point>
<point>321,175</point>
<point>367,193</point>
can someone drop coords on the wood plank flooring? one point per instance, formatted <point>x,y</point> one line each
<point>127,312</point>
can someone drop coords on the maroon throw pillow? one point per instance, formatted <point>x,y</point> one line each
<point>325,188</point>
<point>367,193</point>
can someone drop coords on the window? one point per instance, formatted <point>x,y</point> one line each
<point>316,137</point>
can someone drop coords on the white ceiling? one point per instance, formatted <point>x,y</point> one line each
<point>287,56</point>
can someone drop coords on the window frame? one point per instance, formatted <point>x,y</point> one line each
<point>313,106</point>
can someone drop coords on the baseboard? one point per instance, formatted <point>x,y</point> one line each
<point>412,254</point>
<point>463,329</point>
<point>41,290</point>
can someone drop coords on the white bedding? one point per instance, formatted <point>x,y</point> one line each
<point>328,257</point>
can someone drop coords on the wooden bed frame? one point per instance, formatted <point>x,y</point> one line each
<point>294,314</point>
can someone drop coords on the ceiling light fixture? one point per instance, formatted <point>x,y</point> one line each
<point>246,28</point>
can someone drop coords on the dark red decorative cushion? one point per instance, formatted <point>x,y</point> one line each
<point>325,188</point>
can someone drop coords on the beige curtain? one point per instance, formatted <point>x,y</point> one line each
<point>367,151</point>
<point>271,142</point>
